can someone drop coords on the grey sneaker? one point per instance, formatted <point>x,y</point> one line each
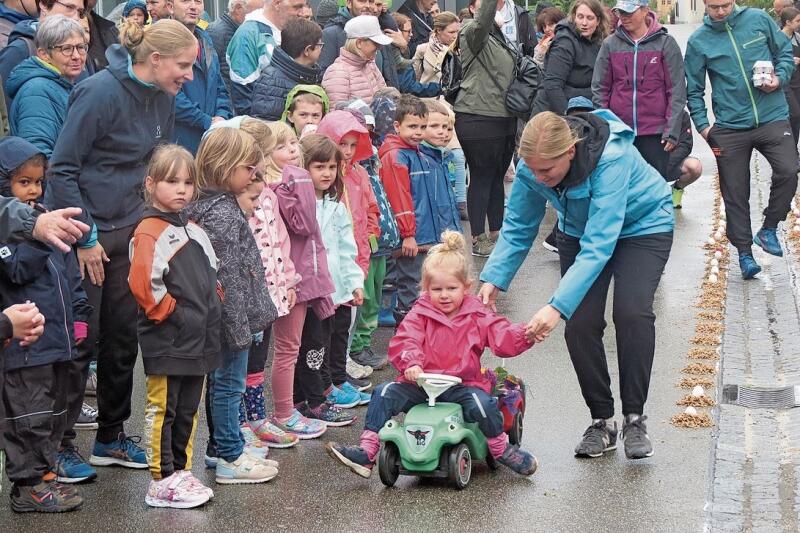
<point>634,435</point>
<point>88,418</point>
<point>371,359</point>
<point>597,439</point>
<point>356,370</point>
<point>91,383</point>
<point>483,246</point>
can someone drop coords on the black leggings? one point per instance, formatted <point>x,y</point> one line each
<point>653,152</point>
<point>636,266</point>
<point>308,382</point>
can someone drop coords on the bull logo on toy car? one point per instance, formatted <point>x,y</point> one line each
<point>419,436</point>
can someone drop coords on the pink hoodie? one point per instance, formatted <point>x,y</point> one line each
<point>453,346</point>
<point>359,197</point>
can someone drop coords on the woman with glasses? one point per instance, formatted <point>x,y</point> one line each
<point>39,87</point>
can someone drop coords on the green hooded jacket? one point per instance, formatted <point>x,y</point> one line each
<point>313,89</point>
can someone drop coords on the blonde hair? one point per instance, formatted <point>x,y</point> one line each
<point>282,133</point>
<point>165,37</point>
<point>449,256</point>
<point>220,152</point>
<point>350,46</point>
<point>443,20</point>
<point>165,164</point>
<point>547,136</point>
<point>261,132</point>
<point>436,106</point>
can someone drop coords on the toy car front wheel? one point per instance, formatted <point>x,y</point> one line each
<point>515,432</point>
<point>460,466</point>
<point>389,464</point>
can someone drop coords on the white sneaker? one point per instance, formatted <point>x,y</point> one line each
<point>263,460</point>
<point>245,469</point>
<point>356,370</point>
<point>189,477</point>
<point>175,491</point>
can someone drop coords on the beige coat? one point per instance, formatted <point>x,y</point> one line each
<point>428,65</point>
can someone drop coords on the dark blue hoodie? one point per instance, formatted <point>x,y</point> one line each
<point>100,160</point>
<point>36,272</point>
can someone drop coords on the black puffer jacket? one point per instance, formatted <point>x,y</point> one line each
<point>221,32</point>
<point>280,77</point>
<point>568,69</point>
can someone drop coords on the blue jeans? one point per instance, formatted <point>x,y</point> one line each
<point>226,388</point>
<point>461,174</point>
<point>392,398</point>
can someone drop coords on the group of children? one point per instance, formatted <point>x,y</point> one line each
<point>284,230</point>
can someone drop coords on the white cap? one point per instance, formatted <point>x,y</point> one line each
<point>366,27</point>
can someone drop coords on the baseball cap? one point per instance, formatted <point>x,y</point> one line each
<point>629,6</point>
<point>579,102</point>
<point>366,27</point>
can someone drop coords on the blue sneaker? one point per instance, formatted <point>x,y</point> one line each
<point>518,460</point>
<point>72,468</point>
<point>767,239</point>
<point>353,457</point>
<point>123,452</point>
<point>748,266</point>
<point>364,397</point>
<point>342,398</point>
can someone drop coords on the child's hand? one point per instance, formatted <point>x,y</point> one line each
<point>542,323</point>
<point>410,248</point>
<point>413,372</point>
<point>358,297</point>
<point>291,298</point>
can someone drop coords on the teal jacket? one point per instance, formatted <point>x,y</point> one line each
<point>726,50</point>
<point>622,197</point>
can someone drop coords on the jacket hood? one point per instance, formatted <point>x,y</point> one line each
<point>31,68</point>
<point>594,132</point>
<point>654,28</point>
<point>719,25</point>
<point>471,305</point>
<point>312,89</point>
<point>393,142</point>
<point>118,62</point>
<point>384,109</point>
<point>26,28</point>
<point>14,151</point>
<point>304,75</point>
<point>341,17</point>
<point>14,16</point>
<point>435,152</point>
<point>207,199</point>
<point>176,219</point>
<point>338,124</point>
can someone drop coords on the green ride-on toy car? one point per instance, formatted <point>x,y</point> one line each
<point>433,440</point>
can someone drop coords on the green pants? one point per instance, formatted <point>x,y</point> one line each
<point>367,320</point>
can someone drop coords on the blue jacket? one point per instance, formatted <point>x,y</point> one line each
<point>114,122</point>
<point>201,99</point>
<point>727,50</point>
<point>39,107</point>
<point>8,19</point>
<point>18,49</point>
<point>249,52</point>
<point>448,218</point>
<point>622,196</point>
<point>410,85</point>
<point>280,77</point>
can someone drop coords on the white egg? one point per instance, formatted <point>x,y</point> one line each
<point>715,262</point>
<point>712,278</point>
<point>715,270</point>
<point>690,410</point>
<point>711,241</point>
<point>718,235</point>
<point>698,391</point>
<point>717,254</point>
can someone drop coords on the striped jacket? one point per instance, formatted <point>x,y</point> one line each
<point>173,277</point>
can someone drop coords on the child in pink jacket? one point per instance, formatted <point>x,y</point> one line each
<point>445,332</point>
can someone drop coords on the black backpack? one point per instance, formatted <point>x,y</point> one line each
<point>452,75</point>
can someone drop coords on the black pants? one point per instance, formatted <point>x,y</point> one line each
<point>653,152</point>
<point>334,371</point>
<point>636,266</point>
<point>308,384</point>
<point>170,418</point>
<point>257,357</point>
<point>794,112</point>
<point>35,402</point>
<point>112,333</point>
<point>733,149</point>
<point>488,145</point>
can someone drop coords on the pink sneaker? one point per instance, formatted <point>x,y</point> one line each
<point>272,435</point>
<point>303,428</point>
<point>189,477</point>
<point>175,491</point>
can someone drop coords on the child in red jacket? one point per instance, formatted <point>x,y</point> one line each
<point>445,332</point>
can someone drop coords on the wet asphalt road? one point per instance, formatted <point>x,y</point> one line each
<point>312,493</point>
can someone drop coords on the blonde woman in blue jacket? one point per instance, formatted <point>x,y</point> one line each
<point>615,220</point>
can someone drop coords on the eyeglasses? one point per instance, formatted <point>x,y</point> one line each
<point>318,45</point>
<point>255,173</point>
<point>721,7</point>
<point>72,8</point>
<point>68,49</point>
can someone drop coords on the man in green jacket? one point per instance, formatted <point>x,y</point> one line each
<point>748,116</point>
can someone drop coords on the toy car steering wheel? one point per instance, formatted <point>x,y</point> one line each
<point>436,384</point>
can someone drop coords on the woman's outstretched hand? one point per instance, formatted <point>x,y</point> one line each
<point>542,323</point>
<point>488,295</point>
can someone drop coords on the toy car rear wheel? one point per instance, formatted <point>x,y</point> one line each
<point>389,464</point>
<point>460,466</point>
<point>515,433</point>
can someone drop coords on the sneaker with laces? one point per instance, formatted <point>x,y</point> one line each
<point>482,246</point>
<point>363,397</point>
<point>195,482</point>
<point>357,370</point>
<point>43,498</point>
<point>122,452</point>
<point>371,359</point>
<point>91,383</point>
<point>677,197</point>
<point>359,384</point>
<point>273,436</point>
<point>518,460</point>
<point>353,457</point>
<point>176,491</point>
<point>71,467</point>
<point>767,239</point>
<point>550,243</point>
<point>343,399</point>
<point>328,413</point>
<point>244,470</point>
<point>303,428</point>
<point>748,266</point>
<point>67,490</point>
<point>88,418</point>
<point>634,435</point>
<point>597,439</point>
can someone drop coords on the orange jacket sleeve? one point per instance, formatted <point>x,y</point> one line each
<point>146,279</point>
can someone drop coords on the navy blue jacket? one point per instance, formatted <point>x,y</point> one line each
<point>221,32</point>
<point>40,96</point>
<point>280,77</point>
<point>18,49</point>
<point>100,159</point>
<point>411,85</point>
<point>201,99</point>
